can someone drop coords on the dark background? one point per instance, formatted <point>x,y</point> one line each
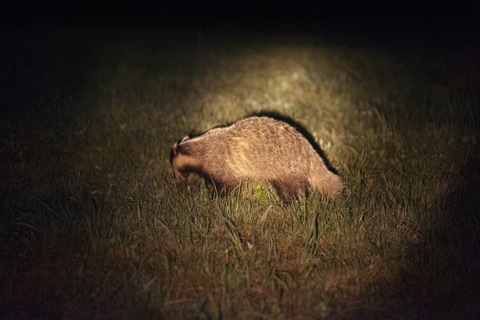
<point>452,19</point>
<point>443,24</point>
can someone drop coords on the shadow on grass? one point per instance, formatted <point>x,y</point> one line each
<point>439,278</point>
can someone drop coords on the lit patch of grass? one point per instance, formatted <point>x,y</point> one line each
<point>92,225</point>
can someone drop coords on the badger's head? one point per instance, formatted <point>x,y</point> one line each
<point>179,164</point>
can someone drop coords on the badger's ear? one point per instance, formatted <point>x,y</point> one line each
<point>185,138</point>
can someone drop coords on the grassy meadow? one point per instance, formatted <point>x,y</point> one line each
<point>92,227</point>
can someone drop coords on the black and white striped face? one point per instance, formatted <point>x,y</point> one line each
<point>182,164</point>
<point>177,165</point>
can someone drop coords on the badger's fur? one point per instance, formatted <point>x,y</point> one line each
<point>255,148</point>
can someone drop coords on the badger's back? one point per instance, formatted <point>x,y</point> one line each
<point>265,148</point>
<point>261,148</point>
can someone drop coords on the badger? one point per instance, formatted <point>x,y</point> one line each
<point>255,148</point>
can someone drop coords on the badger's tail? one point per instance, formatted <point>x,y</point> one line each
<point>329,183</point>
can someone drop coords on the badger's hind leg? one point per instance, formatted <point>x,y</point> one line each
<point>289,190</point>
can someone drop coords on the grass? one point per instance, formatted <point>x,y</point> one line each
<point>91,225</point>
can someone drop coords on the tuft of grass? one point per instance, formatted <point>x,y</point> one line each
<point>93,227</point>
